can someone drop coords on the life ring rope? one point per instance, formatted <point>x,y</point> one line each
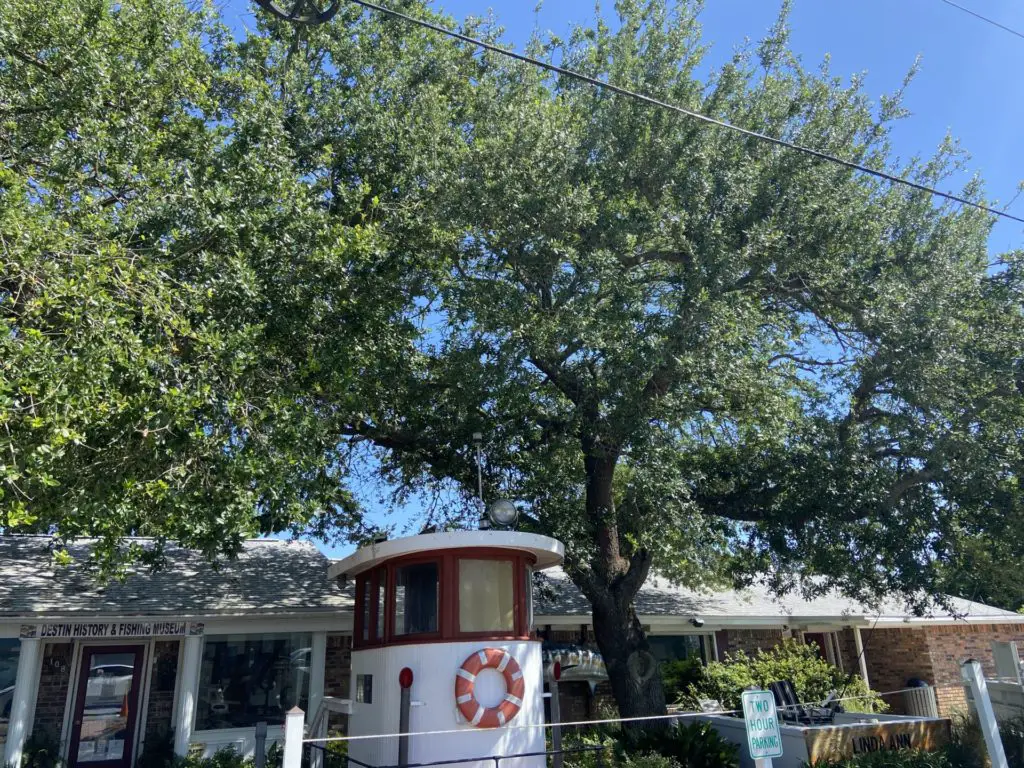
<point>465,683</point>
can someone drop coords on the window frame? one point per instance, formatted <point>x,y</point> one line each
<point>368,589</point>
<point>518,604</point>
<point>447,561</point>
<point>247,637</point>
<point>393,568</point>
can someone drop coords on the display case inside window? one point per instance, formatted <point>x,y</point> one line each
<point>245,679</point>
<point>9,649</point>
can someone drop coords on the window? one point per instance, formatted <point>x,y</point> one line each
<point>371,602</point>
<point>364,595</point>
<point>528,597</point>
<point>486,596</point>
<point>8,674</point>
<point>680,647</point>
<point>364,689</point>
<point>382,601</point>
<point>248,678</point>
<point>827,645</point>
<point>416,598</point>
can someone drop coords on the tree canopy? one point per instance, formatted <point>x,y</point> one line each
<point>174,296</point>
<point>227,265</point>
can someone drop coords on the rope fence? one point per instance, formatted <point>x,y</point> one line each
<point>590,723</point>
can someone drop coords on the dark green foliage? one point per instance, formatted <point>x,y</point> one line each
<point>901,759</point>
<point>42,750</point>
<point>678,676</point>
<point>812,677</point>
<point>158,751</point>
<point>275,755</point>
<point>688,744</point>
<point>222,758</point>
<point>969,744</point>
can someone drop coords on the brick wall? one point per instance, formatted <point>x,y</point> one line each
<point>894,656</point>
<point>848,651</point>
<point>932,654</point>
<point>337,674</point>
<point>948,646</point>
<point>53,690</point>
<point>747,640</point>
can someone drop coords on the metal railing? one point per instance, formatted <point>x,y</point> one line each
<point>349,761</point>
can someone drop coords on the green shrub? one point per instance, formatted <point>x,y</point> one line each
<point>691,745</point>
<point>222,758</point>
<point>678,676</point>
<point>901,759</point>
<point>41,750</point>
<point>649,760</point>
<point>812,677</point>
<point>158,751</point>
<point>592,758</point>
<point>969,750</point>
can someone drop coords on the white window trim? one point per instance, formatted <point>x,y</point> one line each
<point>204,736</point>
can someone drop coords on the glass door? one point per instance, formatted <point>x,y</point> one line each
<point>103,730</point>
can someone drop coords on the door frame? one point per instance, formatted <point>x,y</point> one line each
<point>79,687</point>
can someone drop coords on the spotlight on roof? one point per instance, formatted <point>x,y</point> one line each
<point>502,513</point>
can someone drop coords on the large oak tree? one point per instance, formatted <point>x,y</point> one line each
<point>227,265</point>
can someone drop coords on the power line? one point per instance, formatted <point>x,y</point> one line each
<point>986,19</point>
<point>601,84</point>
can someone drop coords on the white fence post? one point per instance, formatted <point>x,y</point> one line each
<point>294,732</point>
<point>972,675</point>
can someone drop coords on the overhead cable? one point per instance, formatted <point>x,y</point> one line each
<point>986,19</point>
<point>604,85</point>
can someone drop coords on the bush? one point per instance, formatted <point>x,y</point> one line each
<point>813,678</point>
<point>691,745</point>
<point>649,760</point>
<point>969,750</point>
<point>678,676</point>
<point>41,750</point>
<point>158,751</point>
<point>901,759</point>
<point>222,758</point>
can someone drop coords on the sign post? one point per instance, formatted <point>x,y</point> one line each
<point>764,738</point>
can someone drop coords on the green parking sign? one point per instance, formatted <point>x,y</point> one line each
<point>763,735</point>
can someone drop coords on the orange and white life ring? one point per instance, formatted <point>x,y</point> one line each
<point>465,682</point>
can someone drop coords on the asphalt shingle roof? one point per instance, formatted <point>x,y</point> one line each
<point>268,577</point>
<point>659,598</point>
<point>274,577</point>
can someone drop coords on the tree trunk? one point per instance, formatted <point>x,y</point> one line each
<point>632,670</point>
<point>610,583</point>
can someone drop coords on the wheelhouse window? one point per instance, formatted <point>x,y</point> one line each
<point>245,679</point>
<point>371,606</point>
<point>444,596</point>
<point>416,598</point>
<point>486,596</point>
<point>9,650</point>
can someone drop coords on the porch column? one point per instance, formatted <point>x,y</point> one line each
<point>317,665</point>
<point>186,714</point>
<point>859,643</point>
<point>26,683</point>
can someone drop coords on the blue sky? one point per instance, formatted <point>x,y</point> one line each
<point>969,84</point>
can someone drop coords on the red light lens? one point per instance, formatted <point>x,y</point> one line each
<point>405,677</point>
